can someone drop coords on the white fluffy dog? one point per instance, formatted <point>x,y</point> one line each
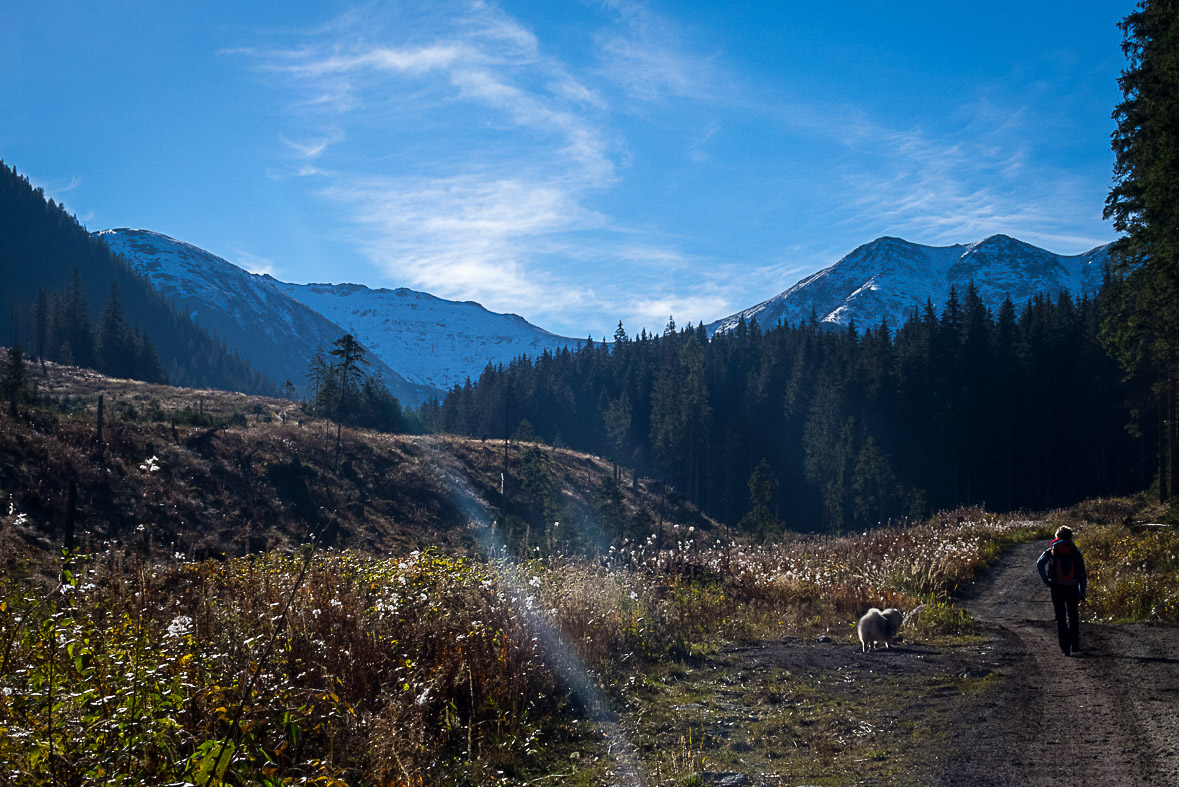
<point>878,627</point>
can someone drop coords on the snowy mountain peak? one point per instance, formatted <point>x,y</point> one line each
<point>890,277</point>
<point>420,344</point>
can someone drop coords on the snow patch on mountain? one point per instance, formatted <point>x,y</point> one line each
<point>419,344</point>
<point>429,340</point>
<point>889,278</point>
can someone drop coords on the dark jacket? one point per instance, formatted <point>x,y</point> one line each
<point>1044,566</point>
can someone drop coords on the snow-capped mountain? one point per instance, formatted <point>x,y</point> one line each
<point>274,332</point>
<point>420,345</point>
<point>431,341</point>
<point>891,277</point>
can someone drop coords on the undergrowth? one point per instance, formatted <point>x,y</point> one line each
<point>1131,555</point>
<point>427,668</point>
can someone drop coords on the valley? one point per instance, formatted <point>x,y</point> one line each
<point>371,615</point>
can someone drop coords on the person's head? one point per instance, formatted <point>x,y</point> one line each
<point>1064,533</point>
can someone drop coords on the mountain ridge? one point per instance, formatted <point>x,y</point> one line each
<point>889,277</point>
<point>420,344</point>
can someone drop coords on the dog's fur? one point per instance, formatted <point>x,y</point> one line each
<point>878,627</point>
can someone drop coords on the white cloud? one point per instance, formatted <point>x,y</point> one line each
<point>253,263</point>
<point>464,236</point>
<point>652,312</point>
<point>962,185</point>
<point>644,55</point>
<point>314,147</point>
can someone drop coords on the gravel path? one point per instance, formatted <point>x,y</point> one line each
<point>1109,716</point>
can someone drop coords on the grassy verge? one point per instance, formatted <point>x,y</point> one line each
<point>800,724</point>
<point>1132,557</point>
<point>435,669</point>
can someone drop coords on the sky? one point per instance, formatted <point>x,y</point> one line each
<point>576,163</point>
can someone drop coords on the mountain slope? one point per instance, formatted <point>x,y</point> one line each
<point>276,333</point>
<point>431,341</point>
<point>890,277</point>
<point>419,344</point>
<point>41,246</point>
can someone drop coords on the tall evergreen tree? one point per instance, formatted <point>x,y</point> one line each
<point>14,379</point>
<point>1142,324</point>
<point>74,327</point>
<point>116,343</point>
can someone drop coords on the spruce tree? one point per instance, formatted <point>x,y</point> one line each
<point>116,342</point>
<point>15,378</point>
<point>1142,323</point>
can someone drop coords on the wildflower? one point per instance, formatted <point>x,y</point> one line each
<point>179,627</point>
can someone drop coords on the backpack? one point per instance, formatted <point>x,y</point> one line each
<point>1063,568</point>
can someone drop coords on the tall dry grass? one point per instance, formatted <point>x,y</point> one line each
<point>427,668</point>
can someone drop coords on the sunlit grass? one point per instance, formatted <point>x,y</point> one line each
<point>1133,574</point>
<point>426,668</point>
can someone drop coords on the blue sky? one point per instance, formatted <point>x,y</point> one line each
<point>575,163</point>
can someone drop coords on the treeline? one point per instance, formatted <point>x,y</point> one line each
<point>809,428</point>
<point>41,247</point>
<point>62,331</point>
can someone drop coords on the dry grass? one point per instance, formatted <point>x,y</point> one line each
<point>427,668</point>
<point>1132,558</point>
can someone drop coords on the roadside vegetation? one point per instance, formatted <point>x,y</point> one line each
<point>425,668</point>
<point>440,631</point>
<point>1132,555</point>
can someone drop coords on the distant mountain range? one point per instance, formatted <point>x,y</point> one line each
<point>423,346</point>
<point>890,277</point>
<point>419,344</point>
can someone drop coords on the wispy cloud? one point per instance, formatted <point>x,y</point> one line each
<point>253,263</point>
<point>313,147</point>
<point>963,184</point>
<point>498,208</point>
<point>465,235</point>
<point>644,55</point>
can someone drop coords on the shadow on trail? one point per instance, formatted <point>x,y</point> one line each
<point>1135,659</point>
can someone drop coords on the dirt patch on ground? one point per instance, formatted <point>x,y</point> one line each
<point>793,712</point>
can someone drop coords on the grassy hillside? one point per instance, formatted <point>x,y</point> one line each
<point>207,473</point>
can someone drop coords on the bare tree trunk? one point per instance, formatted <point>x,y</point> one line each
<point>1164,476</point>
<point>1173,431</point>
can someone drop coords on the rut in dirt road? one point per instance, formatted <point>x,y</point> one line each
<point>1109,716</point>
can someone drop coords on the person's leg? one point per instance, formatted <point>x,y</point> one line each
<point>1074,619</point>
<point>1060,607</point>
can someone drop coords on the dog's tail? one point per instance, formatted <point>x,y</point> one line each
<point>911,613</point>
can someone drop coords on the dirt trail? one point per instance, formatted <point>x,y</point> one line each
<point>1109,716</point>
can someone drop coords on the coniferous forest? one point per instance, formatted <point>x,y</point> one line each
<point>807,428</point>
<point>64,297</point>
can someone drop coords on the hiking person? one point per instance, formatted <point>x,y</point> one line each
<point>1063,570</point>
